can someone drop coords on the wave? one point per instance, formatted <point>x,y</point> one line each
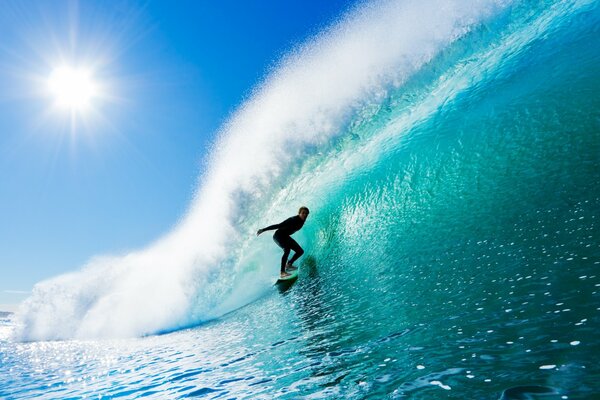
<point>324,130</point>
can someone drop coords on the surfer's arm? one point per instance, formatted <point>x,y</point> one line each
<point>268,228</point>
<point>285,224</point>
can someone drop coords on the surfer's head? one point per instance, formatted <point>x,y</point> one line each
<point>303,213</point>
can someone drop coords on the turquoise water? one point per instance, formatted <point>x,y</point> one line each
<point>453,248</point>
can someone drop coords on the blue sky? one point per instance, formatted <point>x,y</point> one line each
<point>117,175</point>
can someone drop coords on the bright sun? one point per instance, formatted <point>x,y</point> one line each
<point>73,88</point>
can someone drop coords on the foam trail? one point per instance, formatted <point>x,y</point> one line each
<point>194,273</point>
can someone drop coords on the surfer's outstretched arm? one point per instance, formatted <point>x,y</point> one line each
<point>287,224</point>
<point>268,228</point>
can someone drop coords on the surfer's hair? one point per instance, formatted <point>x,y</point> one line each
<point>303,209</point>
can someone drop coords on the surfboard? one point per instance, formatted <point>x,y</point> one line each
<point>283,285</point>
<point>293,276</point>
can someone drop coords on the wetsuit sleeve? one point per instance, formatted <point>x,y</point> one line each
<point>284,224</point>
<point>271,227</point>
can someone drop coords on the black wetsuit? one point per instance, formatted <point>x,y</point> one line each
<point>283,239</point>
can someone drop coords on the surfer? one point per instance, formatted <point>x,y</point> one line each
<point>283,239</point>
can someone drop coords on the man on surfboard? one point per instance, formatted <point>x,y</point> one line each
<point>283,239</point>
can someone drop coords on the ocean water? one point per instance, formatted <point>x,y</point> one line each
<point>449,152</point>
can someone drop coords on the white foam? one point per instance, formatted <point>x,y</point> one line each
<point>195,272</point>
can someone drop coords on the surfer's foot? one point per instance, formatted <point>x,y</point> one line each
<point>290,267</point>
<point>284,275</point>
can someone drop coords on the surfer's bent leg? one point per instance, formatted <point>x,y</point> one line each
<point>283,241</point>
<point>297,250</point>
<point>286,253</point>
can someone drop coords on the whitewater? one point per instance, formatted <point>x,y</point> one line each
<point>449,152</point>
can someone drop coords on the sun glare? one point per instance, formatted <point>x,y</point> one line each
<point>72,88</point>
